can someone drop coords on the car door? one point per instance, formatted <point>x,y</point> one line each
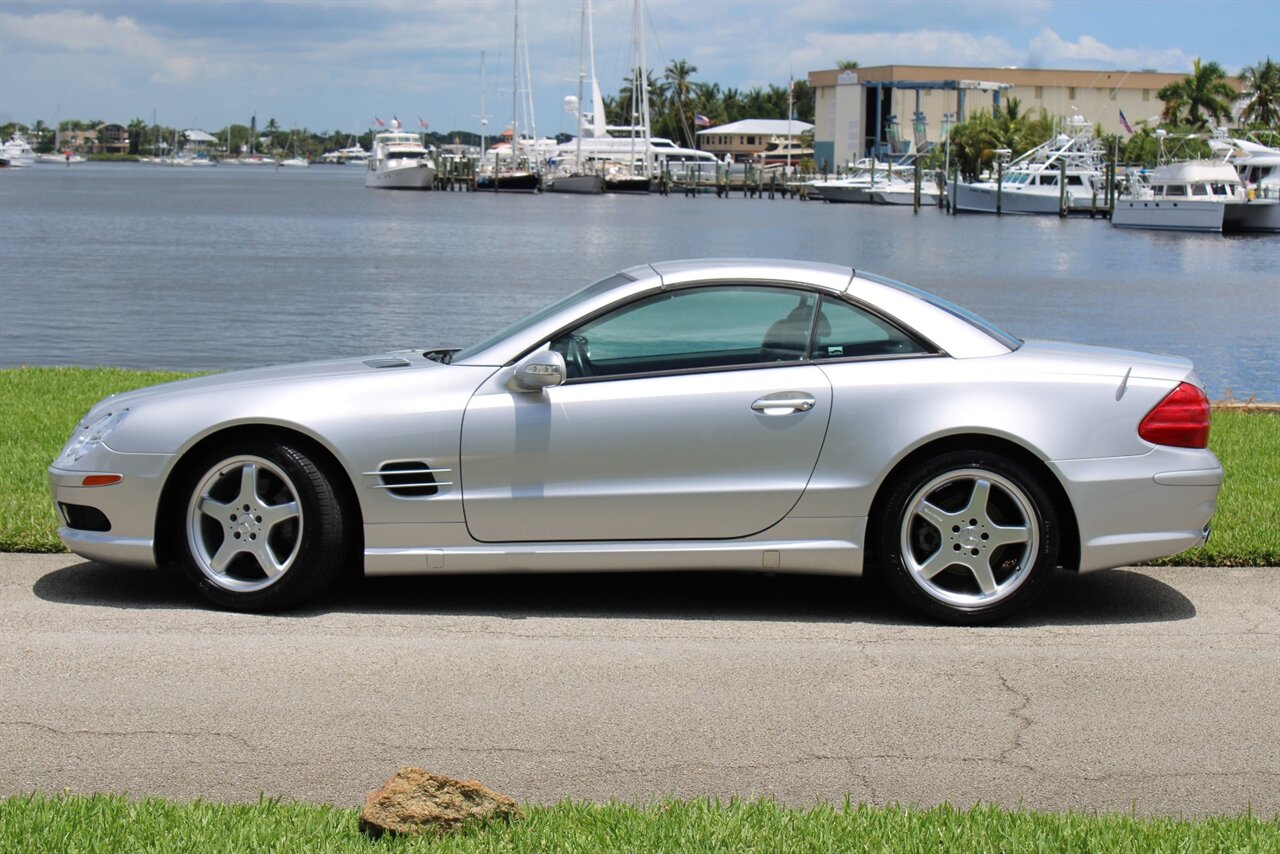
<point>690,414</point>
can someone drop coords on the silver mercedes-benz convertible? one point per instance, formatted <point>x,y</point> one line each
<point>717,414</point>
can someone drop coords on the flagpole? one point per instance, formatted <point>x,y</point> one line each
<point>791,95</point>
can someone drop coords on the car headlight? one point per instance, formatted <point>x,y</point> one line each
<point>89,436</point>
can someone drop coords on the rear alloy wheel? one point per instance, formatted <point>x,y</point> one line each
<point>969,537</point>
<point>263,528</point>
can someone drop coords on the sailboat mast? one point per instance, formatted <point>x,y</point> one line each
<point>515,88</point>
<point>484,120</point>
<point>528,93</point>
<point>582,74</point>
<point>642,74</point>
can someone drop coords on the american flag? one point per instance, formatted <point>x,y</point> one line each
<point>422,123</point>
<point>379,122</point>
<point>699,120</point>
<point>1125,122</point>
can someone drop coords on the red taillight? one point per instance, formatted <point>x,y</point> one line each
<point>1180,420</point>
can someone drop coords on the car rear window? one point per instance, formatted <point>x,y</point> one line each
<point>1010,341</point>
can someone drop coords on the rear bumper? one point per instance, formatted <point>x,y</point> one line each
<point>1131,509</point>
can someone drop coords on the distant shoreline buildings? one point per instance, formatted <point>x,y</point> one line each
<point>882,108</point>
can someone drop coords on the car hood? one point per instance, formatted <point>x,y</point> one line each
<point>396,361</point>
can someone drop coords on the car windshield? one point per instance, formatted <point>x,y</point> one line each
<point>542,314</point>
<point>1010,341</point>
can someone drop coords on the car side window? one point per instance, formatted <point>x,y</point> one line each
<point>693,329</point>
<point>845,331</point>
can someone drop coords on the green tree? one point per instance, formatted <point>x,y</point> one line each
<point>624,108</point>
<point>731,102</point>
<point>137,136</point>
<point>847,64</point>
<point>1204,90</point>
<point>42,140</point>
<point>1262,91</point>
<point>680,90</point>
<point>974,143</point>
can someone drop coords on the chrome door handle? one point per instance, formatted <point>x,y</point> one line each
<point>784,403</point>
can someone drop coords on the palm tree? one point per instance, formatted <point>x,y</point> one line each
<point>137,130</point>
<point>680,89</point>
<point>802,101</point>
<point>731,99</point>
<point>1205,90</point>
<point>756,102</point>
<point>847,64</point>
<point>1262,89</point>
<point>623,107</point>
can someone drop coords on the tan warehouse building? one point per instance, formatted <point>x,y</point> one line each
<point>855,109</point>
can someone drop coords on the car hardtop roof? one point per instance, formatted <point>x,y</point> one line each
<point>675,273</point>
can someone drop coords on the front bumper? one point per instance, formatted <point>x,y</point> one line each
<point>1131,509</point>
<point>114,523</point>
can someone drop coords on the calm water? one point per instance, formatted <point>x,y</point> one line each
<point>143,266</point>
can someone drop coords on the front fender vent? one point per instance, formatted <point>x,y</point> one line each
<point>409,478</point>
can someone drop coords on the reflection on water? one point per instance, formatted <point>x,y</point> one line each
<point>145,266</point>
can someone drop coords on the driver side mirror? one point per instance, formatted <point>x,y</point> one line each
<point>540,370</point>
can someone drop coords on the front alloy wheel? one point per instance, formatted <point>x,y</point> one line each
<point>263,527</point>
<point>244,524</point>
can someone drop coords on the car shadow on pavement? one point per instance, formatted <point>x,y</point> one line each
<point>1109,597</point>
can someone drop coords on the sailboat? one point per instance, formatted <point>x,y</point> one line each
<point>517,176</point>
<point>297,161</point>
<point>631,161</point>
<point>573,177</point>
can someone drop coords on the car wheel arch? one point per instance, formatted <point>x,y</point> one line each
<point>168,540</point>
<point>1069,536</point>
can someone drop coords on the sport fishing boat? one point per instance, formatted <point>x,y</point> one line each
<point>855,186</point>
<point>1065,171</point>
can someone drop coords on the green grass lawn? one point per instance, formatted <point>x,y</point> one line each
<point>39,407</point>
<point>104,823</point>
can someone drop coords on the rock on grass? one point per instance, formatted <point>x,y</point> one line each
<point>413,800</point>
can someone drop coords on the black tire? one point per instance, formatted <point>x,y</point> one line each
<point>967,537</point>
<point>261,526</point>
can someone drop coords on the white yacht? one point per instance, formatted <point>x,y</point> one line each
<point>1032,184</point>
<point>399,162</point>
<point>1259,169</point>
<point>18,152</point>
<point>1193,195</point>
<point>650,157</point>
<point>352,155</point>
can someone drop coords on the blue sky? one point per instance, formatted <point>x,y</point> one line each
<point>334,64</point>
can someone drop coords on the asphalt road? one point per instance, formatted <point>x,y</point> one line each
<point>1152,690</point>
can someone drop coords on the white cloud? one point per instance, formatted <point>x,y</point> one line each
<point>923,47</point>
<point>74,31</point>
<point>120,42</point>
<point>1049,50</point>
